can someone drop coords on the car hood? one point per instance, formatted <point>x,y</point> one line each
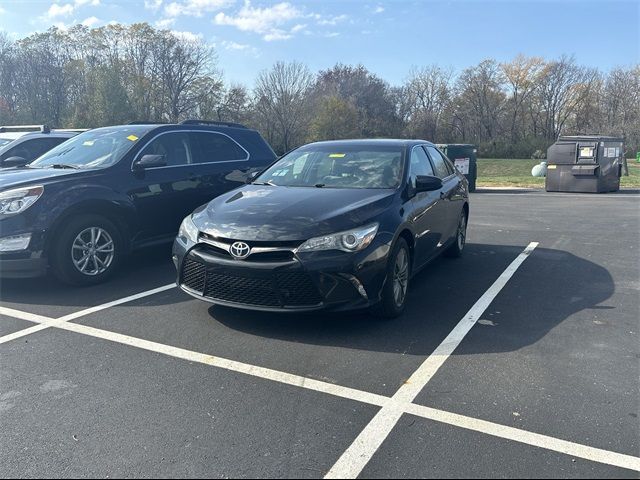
<point>22,176</point>
<point>271,213</point>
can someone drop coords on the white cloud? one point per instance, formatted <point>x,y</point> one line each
<point>64,10</point>
<point>90,22</point>
<point>152,4</point>
<point>229,45</point>
<point>298,28</point>
<point>277,35</point>
<point>188,36</point>
<point>61,26</point>
<point>195,8</point>
<point>2,10</point>
<point>332,20</point>
<point>379,9</point>
<point>56,10</point>
<point>165,23</point>
<point>332,35</point>
<point>264,21</point>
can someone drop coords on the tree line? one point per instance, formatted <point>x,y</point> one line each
<point>116,74</point>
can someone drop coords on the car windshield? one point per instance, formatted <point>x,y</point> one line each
<point>4,141</point>
<point>337,166</point>
<point>97,148</point>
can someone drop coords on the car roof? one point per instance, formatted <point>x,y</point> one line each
<point>386,142</point>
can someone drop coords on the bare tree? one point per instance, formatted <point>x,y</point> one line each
<point>561,88</point>
<point>426,94</point>
<point>522,75</point>
<point>281,102</point>
<point>181,65</point>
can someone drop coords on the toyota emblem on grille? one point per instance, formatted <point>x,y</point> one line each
<point>240,250</point>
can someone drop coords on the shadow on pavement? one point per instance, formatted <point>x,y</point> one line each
<point>142,270</point>
<point>440,296</point>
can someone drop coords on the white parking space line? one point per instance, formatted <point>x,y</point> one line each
<point>29,317</point>
<point>392,408</point>
<point>23,333</point>
<point>231,365</point>
<point>47,322</point>
<point>356,457</point>
<point>104,306</point>
<point>529,438</point>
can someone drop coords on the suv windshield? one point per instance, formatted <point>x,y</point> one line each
<point>337,166</point>
<point>101,147</point>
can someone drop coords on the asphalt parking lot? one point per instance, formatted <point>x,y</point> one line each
<point>520,359</point>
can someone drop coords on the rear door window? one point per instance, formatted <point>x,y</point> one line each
<point>212,147</point>
<point>173,146</point>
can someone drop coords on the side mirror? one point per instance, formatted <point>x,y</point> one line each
<point>427,183</point>
<point>13,162</point>
<point>150,161</point>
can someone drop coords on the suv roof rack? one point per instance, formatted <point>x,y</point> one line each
<point>70,130</point>
<point>209,122</point>
<point>24,128</point>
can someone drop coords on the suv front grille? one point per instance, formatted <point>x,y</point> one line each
<point>281,289</point>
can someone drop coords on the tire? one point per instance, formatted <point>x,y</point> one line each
<point>457,247</point>
<point>389,306</point>
<point>73,244</point>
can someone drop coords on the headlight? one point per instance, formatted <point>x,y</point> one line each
<point>18,200</point>
<point>348,241</point>
<point>188,230</point>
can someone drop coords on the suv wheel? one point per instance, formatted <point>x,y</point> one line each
<point>86,251</point>
<point>394,293</point>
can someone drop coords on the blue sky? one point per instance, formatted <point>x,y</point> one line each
<point>388,37</point>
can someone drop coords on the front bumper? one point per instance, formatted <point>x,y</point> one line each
<point>27,263</point>
<point>22,267</point>
<point>330,280</point>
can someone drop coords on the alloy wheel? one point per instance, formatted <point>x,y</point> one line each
<point>92,251</point>
<point>462,232</point>
<point>400,277</point>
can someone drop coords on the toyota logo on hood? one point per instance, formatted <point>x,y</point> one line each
<point>240,250</point>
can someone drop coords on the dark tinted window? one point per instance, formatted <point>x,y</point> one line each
<point>442,169</point>
<point>41,146</point>
<point>214,147</point>
<point>419,165</point>
<point>174,147</point>
<point>32,149</point>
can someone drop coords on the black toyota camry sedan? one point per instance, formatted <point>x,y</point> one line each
<point>332,225</point>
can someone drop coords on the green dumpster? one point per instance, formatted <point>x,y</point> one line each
<point>464,157</point>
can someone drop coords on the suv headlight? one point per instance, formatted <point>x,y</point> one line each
<point>18,200</point>
<point>188,230</point>
<point>347,241</point>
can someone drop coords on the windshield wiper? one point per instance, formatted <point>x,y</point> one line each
<point>64,165</point>
<point>270,183</point>
<point>320,185</point>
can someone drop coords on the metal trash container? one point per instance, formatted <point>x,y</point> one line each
<point>463,156</point>
<point>585,163</point>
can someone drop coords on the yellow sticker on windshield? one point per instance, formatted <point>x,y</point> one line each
<point>88,143</point>
<point>337,155</point>
<point>133,138</point>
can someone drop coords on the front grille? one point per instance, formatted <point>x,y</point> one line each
<point>281,289</point>
<point>194,275</point>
